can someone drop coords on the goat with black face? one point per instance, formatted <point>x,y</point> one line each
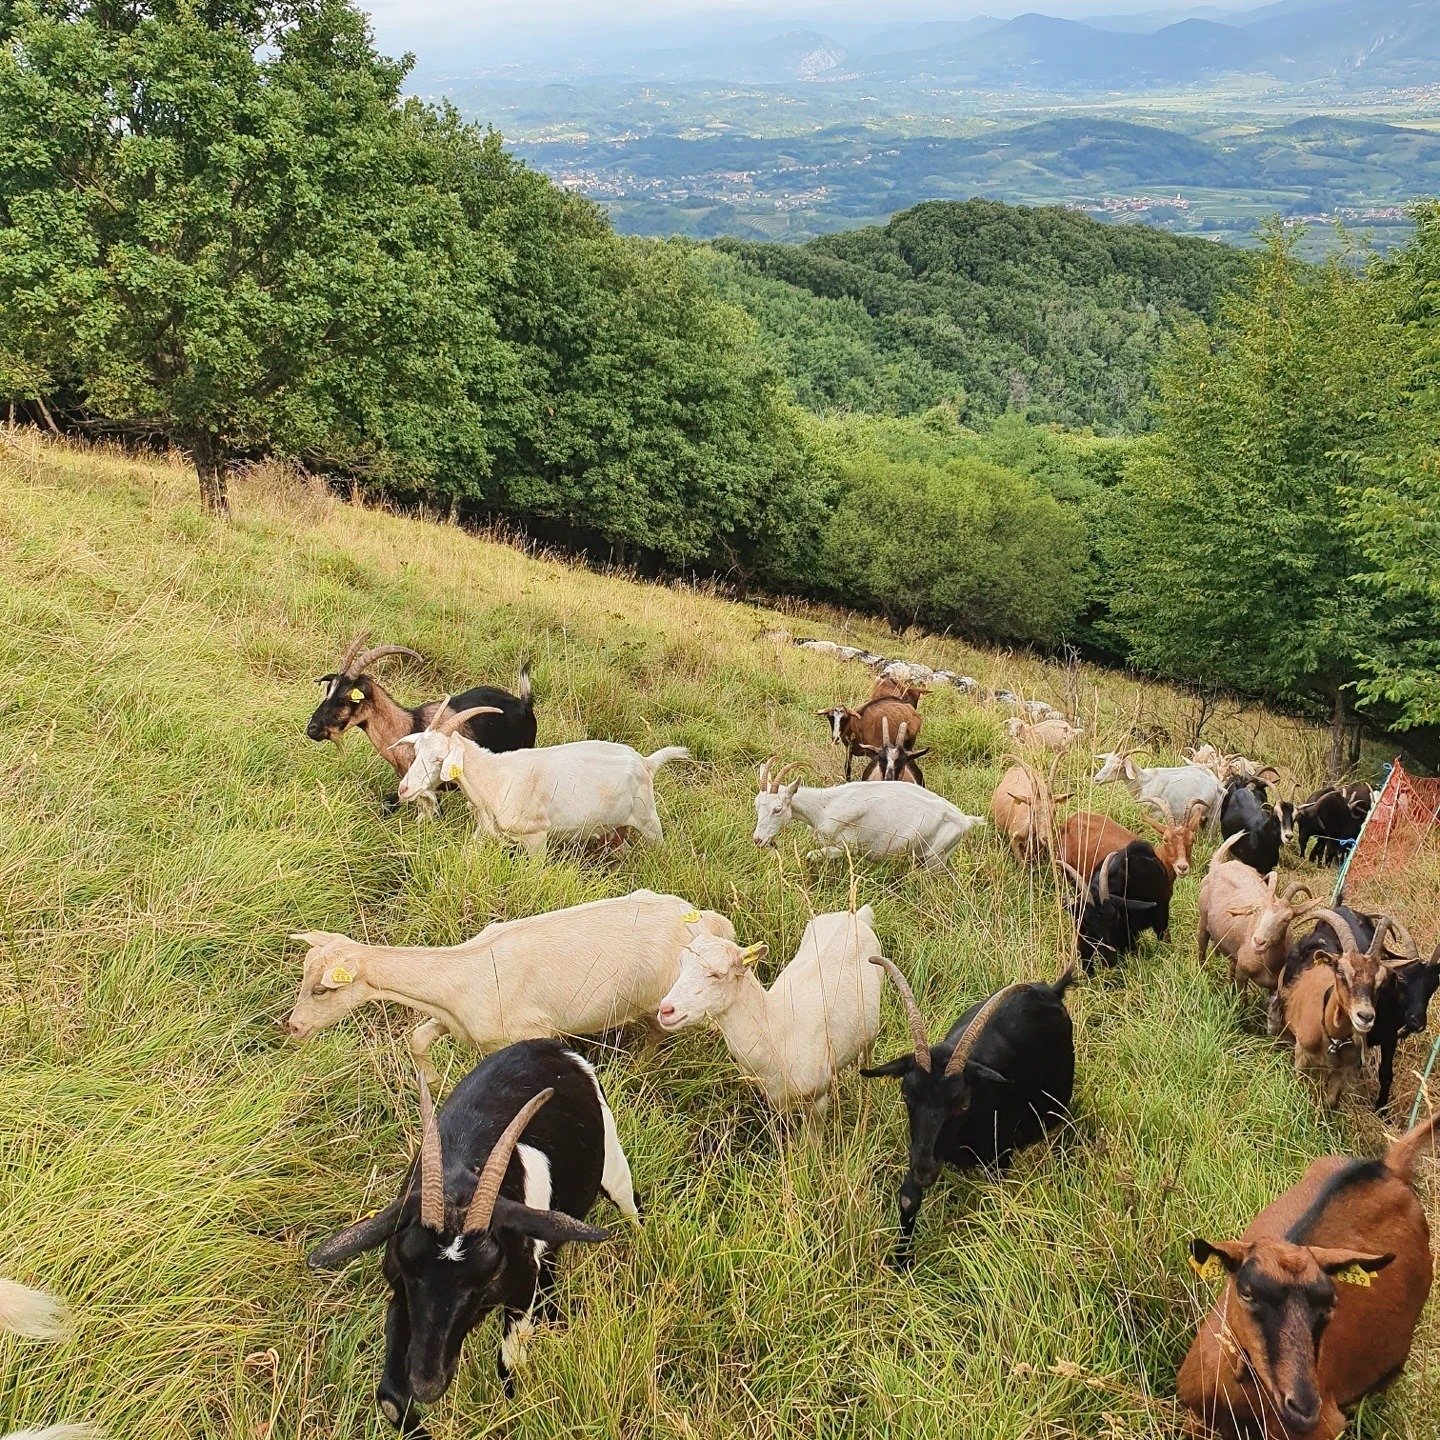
<point>458,1246</point>
<point>1001,1077</point>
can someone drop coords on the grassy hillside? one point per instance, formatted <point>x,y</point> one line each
<point>166,1158</point>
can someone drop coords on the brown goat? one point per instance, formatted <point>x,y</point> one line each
<point>887,688</point>
<point>855,729</point>
<point>1087,838</point>
<point>1285,1347</point>
<point>893,760</point>
<point>1023,808</point>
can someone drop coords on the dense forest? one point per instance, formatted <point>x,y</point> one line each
<point>225,228</point>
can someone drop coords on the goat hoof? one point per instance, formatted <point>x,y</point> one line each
<point>390,804</point>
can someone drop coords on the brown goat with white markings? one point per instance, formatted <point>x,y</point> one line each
<point>1285,1347</point>
<point>857,729</point>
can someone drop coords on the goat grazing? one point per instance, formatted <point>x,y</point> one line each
<point>1285,1347</point>
<point>582,970</point>
<point>1052,733</point>
<point>875,820</point>
<point>1107,924</point>
<point>354,698</point>
<point>1173,789</point>
<point>1253,823</point>
<point>503,1180</point>
<point>862,731</point>
<point>893,760</point>
<point>1087,838</point>
<point>997,1082</point>
<point>1326,1002</point>
<point>1246,920</point>
<point>1023,809</point>
<point>819,1017</point>
<point>528,797</point>
<point>1332,819</point>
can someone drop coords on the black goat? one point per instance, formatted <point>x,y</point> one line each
<point>355,698</point>
<point>997,1082</point>
<point>456,1246</point>
<point>1246,811</point>
<point>1332,818</point>
<point>1109,921</point>
<point>891,760</point>
<point>1401,999</point>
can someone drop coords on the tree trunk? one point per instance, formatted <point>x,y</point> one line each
<point>1337,758</point>
<point>210,467</point>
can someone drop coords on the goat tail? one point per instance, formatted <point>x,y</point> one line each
<point>35,1314</point>
<point>1064,980</point>
<point>1224,850</point>
<point>1401,1157</point>
<point>57,1432</point>
<point>523,688</point>
<point>665,756</point>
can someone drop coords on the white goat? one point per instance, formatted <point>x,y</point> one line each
<point>1054,732</point>
<point>875,820</point>
<point>36,1315</point>
<point>1173,789</point>
<point>578,971</point>
<point>818,1018</point>
<point>571,792</point>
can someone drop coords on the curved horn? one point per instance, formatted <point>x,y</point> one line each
<point>912,1011</point>
<point>1104,881</point>
<point>348,654</point>
<point>777,779</point>
<point>961,1053</point>
<point>487,1189</point>
<point>885,731</point>
<point>765,765</point>
<point>432,1165</point>
<point>448,724</point>
<point>900,738</point>
<point>1074,875</point>
<point>1407,942</point>
<point>381,651</point>
<point>1294,888</point>
<point>1339,925</point>
<point>1265,770</point>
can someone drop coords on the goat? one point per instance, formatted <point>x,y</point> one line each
<point>1332,818</point>
<point>1285,1348</point>
<point>570,792</point>
<point>1107,925</point>
<point>1023,809</point>
<point>1053,733</point>
<point>1000,1078</point>
<point>582,970</point>
<point>1226,767</point>
<point>857,729</point>
<point>354,697</point>
<point>887,687</point>
<point>821,1014</point>
<point>892,760</point>
<point>1173,789</point>
<point>1087,838</point>
<point>1244,918</point>
<point>458,1246</point>
<point>875,820</point>
<point>1252,822</point>
<point>1326,1007</point>
<point>37,1315</point>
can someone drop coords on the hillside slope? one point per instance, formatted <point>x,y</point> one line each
<point>169,1158</point>
<point>1044,310</point>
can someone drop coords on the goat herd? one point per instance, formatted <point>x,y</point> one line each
<point>1321,1294</point>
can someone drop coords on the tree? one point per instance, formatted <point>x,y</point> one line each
<point>214,230</point>
<point>1227,552</point>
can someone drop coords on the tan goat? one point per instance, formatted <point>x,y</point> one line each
<point>1023,808</point>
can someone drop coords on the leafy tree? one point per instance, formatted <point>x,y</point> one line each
<point>215,228</point>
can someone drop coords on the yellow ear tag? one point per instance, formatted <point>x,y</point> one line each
<point>750,954</point>
<point>1212,1269</point>
<point>691,918</point>
<point>452,768</point>
<point>1354,1275</point>
<point>357,695</point>
<point>339,975</point>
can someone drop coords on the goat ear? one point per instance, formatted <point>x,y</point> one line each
<point>1238,910</point>
<point>894,1069</point>
<point>408,739</point>
<point>974,1071</point>
<point>354,1239</point>
<point>1211,1259</point>
<point>327,679</point>
<point>553,1227</point>
<point>1061,799</point>
<point>1351,1266</point>
<point>754,954</point>
<point>789,790</point>
<point>453,766</point>
<point>314,937</point>
<point>919,754</point>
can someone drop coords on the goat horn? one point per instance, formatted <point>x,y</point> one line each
<point>912,1011</point>
<point>347,656</point>
<point>900,738</point>
<point>1104,881</point>
<point>1339,925</point>
<point>1407,942</point>
<point>778,777</point>
<point>432,1165</point>
<point>961,1053</point>
<point>381,651</point>
<point>487,1189</point>
<point>1268,770</point>
<point>1294,888</point>
<point>449,724</point>
<point>885,731</point>
<point>765,773</point>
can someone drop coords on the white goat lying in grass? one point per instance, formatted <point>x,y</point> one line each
<point>37,1316</point>
<point>818,1018</point>
<point>875,820</point>
<point>578,971</point>
<point>571,792</point>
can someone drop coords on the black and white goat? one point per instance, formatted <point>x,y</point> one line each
<point>997,1082</point>
<point>458,1246</point>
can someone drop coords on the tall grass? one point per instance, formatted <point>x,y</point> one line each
<point>166,1158</point>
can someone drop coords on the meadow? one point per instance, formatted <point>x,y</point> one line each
<point>167,1157</point>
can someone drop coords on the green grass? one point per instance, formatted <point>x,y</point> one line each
<point>166,1158</point>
